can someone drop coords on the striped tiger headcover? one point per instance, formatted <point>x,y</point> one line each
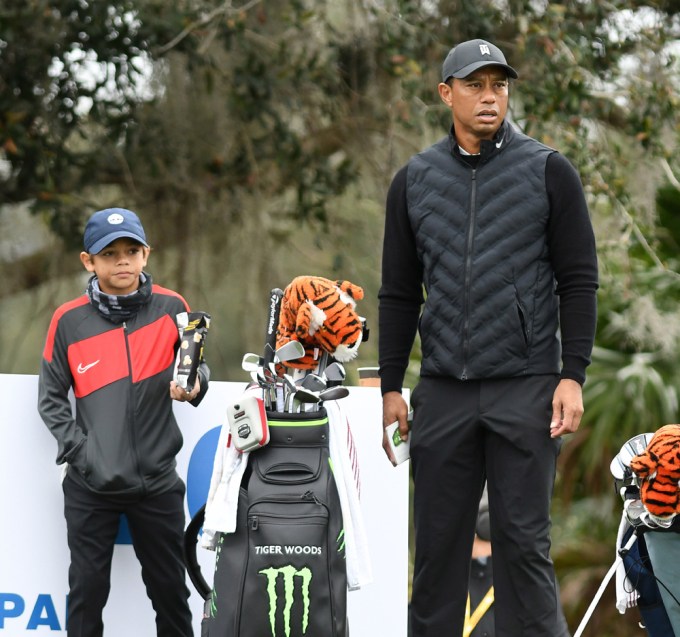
<point>659,471</point>
<point>320,314</point>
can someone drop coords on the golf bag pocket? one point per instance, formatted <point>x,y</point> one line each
<point>283,573</point>
<point>279,468</point>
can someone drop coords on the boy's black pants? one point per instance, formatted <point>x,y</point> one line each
<point>464,432</point>
<point>157,527</point>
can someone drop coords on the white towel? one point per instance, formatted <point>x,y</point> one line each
<point>229,464</point>
<point>222,503</point>
<point>348,480</point>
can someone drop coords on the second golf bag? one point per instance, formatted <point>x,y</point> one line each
<point>282,572</point>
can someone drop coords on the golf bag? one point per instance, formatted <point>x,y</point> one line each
<point>638,583</point>
<point>640,573</point>
<point>282,573</point>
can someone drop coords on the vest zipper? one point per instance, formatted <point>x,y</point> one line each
<point>468,271</point>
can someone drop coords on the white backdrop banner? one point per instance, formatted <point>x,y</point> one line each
<point>34,554</point>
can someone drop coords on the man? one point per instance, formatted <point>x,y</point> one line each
<point>494,226</point>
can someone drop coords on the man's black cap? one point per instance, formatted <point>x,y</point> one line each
<point>469,56</point>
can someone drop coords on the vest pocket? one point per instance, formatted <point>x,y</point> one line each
<point>523,320</point>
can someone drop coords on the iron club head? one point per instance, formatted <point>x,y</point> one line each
<point>334,393</point>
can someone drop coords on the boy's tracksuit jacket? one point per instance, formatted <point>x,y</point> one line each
<point>124,437</point>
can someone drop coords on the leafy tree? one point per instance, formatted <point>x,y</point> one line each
<point>56,60</point>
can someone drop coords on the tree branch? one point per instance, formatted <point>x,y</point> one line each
<point>225,9</point>
<point>669,173</point>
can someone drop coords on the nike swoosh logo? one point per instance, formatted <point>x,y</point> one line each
<point>83,368</point>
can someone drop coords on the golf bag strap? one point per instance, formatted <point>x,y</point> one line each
<point>189,551</point>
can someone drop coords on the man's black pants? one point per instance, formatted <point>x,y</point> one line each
<point>157,529</point>
<point>463,433</point>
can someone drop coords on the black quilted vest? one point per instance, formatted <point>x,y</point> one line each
<point>481,234</point>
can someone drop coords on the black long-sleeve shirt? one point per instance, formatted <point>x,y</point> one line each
<point>573,256</point>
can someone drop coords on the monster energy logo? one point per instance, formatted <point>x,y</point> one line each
<point>289,573</point>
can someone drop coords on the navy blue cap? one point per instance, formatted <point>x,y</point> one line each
<point>105,226</point>
<point>469,56</point>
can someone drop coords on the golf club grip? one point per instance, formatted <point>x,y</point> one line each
<point>275,297</point>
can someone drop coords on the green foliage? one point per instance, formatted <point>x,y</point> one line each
<point>668,208</point>
<point>626,394</point>
<point>56,60</point>
<point>633,380</point>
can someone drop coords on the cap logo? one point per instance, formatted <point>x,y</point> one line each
<point>484,49</point>
<point>115,219</point>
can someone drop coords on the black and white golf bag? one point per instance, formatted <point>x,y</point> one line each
<point>282,573</point>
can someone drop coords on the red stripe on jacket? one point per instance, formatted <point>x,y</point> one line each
<point>66,307</point>
<point>152,348</point>
<point>98,361</point>
<point>103,359</point>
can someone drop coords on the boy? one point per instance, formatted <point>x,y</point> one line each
<point>115,346</point>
